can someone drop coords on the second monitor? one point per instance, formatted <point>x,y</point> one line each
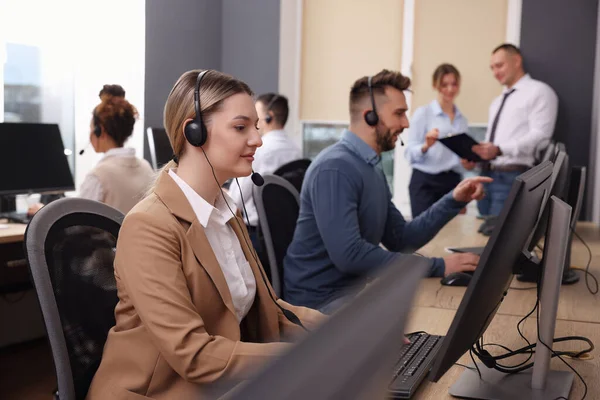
<point>157,147</point>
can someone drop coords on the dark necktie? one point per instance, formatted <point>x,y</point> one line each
<point>497,117</point>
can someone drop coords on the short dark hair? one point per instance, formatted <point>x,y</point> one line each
<point>276,103</point>
<point>443,70</point>
<point>360,88</point>
<point>509,48</point>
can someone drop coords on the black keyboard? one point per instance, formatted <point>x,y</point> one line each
<point>13,216</point>
<point>413,365</point>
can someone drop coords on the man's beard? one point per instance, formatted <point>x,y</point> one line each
<point>384,138</point>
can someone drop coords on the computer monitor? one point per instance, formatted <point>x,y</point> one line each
<point>33,159</point>
<point>575,200</point>
<point>558,188</point>
<point>496,382</point>
<point>157,147</point>
<point>494,273</point>
<point>350,356</point>
<point>559,184</point>
<point>549,154</point>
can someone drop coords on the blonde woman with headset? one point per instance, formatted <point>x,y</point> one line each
<point>195,313</point>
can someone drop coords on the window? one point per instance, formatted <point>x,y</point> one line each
<point>317,136</point>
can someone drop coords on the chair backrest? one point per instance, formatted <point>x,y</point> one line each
<point>294,172</point>
<point>278,205</point>
<point>70,246</point>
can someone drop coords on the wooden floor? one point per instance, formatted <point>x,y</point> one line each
<point>27,371</point>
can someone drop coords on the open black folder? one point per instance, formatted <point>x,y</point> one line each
<point>461,144</point>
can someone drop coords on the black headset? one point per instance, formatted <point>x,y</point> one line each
<point>371,117</point>
<point>269,117</point>
<point>195,130</point>
<point>97,126</point>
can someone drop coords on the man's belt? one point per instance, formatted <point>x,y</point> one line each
<point>509,168</point>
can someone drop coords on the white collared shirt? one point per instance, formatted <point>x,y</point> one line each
<point>526,123</point>
<point>277,150</point>
<point>225,245</point>
<point>91,187</point>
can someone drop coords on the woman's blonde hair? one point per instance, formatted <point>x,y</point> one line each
<point>215,88</point>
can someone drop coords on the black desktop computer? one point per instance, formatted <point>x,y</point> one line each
<point>33,159</point>
<point>575,196</point>
<point>568,184</point>
<point>490,284</point>
<point>157,147</point>
<point>490,380</point>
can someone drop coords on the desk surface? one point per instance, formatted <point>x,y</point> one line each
<point>11,233</point>
<point>576,302</point>
<point>503,331</point>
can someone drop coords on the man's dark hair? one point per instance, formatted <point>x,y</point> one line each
<point>360,88</point>
<point>277,104</point>
<point>509,48</point>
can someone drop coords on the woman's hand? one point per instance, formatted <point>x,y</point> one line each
<point>468,165</point>
<point>430,138</point>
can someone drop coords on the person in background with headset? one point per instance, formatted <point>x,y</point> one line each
<point>120,179</point>
<point>436,169</point>
<point>196,314</point>
<point>346,208</point>
<point>277,149</point>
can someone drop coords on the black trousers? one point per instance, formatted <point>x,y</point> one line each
<point>425,189</point>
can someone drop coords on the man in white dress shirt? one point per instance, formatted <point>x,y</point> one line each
<point>521,121</point>
<point>277,149</point>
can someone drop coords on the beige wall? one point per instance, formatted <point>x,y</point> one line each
<point>343,40</point>
<point>461,32</point>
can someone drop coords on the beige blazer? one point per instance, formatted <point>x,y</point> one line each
<point>176,334</point>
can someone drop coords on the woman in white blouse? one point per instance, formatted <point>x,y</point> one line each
<point>196,314</point>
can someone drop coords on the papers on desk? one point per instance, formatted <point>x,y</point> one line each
<point>3,226</point>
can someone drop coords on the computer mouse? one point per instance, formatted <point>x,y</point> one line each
<point>457,279</point>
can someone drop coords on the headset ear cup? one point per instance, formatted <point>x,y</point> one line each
<point>268,119</point>
<point>97,130</point>
<point>371,118</point>
<point>195,133</point>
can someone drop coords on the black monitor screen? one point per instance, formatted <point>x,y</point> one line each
<point>159,147</point>
<point>576,192</point>
<point>558,187</point>
<point>33,160</point>
<point>494,273</point>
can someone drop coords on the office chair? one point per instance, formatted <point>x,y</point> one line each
<point>70,246</point>
<point>278,205</point>
<point>294,172</point>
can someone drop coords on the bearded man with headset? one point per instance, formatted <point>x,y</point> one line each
<point>346,208</point>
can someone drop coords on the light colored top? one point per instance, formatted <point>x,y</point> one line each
<point>438,158</point>
<point>120,179</point>
<point>225,245</point>
<point>526,123</point>
<point>277,150</point>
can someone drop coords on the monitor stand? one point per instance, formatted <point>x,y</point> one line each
<point>540,383</point>
<point>529,268</point>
